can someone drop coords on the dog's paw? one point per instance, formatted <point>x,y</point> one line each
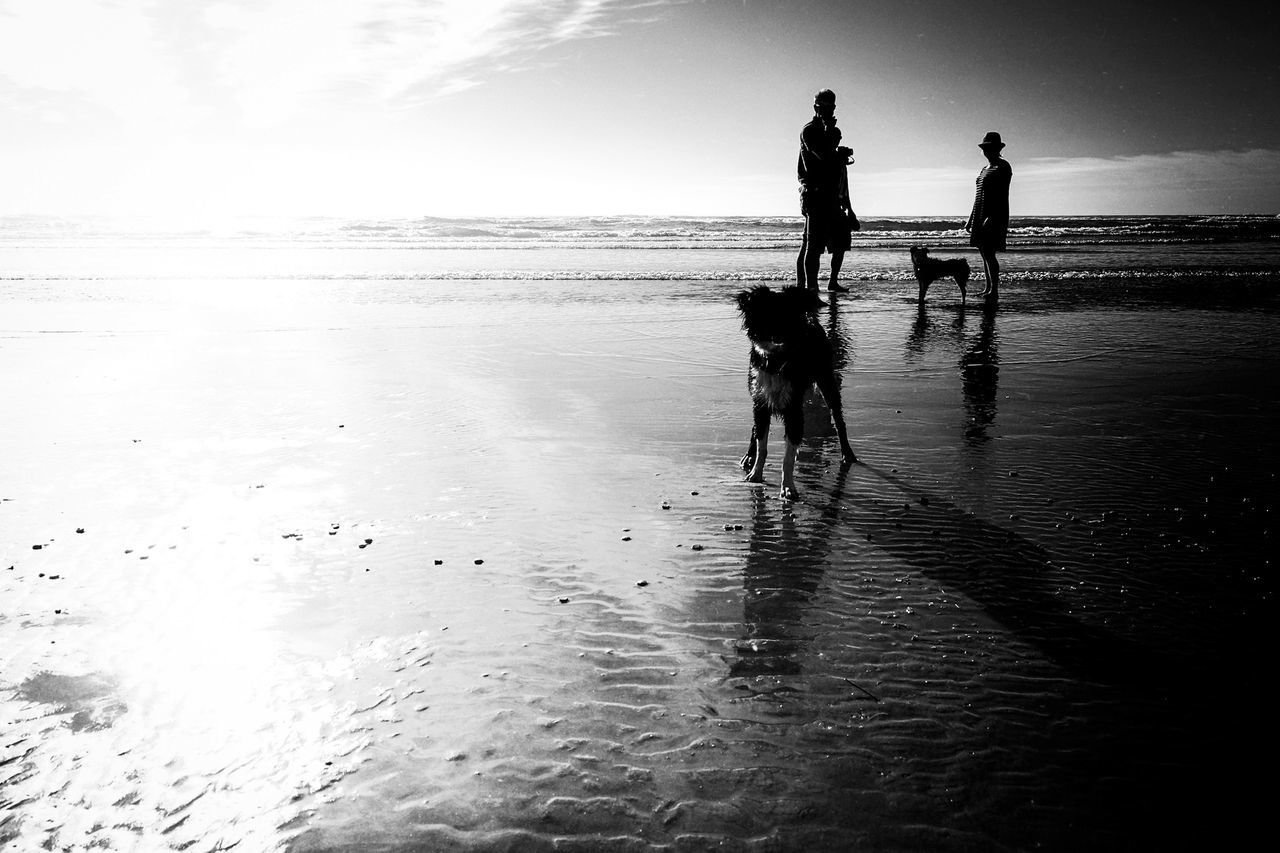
<point>754,477</point>
<point>747,462</point>
<point>789,492</point>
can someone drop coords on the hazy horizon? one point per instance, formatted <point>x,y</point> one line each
<point>234,218</point>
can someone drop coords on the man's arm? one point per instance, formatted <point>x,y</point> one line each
<point>815,140</point>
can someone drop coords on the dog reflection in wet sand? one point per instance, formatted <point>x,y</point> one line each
<point>789,354</point>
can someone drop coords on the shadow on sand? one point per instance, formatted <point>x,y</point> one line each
<point>1009,576</point>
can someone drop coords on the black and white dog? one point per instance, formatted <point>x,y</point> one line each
<point>789,353</point>
<point>928,270</point>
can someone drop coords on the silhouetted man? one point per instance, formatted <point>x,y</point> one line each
<point>819,168</point>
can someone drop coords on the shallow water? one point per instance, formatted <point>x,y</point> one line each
<point>1202,250</point>
<point>470,566</point>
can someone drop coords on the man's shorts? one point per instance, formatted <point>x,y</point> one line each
<point>825,224</point>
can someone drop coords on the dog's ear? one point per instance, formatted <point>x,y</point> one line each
<point>753,298</point>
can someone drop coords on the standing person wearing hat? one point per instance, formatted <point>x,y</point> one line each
<point>989,220</point>
<point>818,169</point>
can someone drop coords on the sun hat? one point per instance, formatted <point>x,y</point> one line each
<point>992,140</point>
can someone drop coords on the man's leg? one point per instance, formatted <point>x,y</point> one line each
<point>804,246</point>
<point>815,231</point>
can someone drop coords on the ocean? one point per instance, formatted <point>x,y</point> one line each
<point>622,248</point>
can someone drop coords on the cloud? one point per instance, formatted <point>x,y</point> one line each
<point>1228,181</point>
<point>266,61</point>
<point>415,49</point>
<point>1201,165</point>
<point>1194,182</point>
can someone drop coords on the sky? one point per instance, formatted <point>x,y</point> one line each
<point>407,108</point>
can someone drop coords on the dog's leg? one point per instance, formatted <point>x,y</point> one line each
<point>789,492</point>
<point>748,460</point>
<point>919,258</point>
<point>962,279</point>
<point>829,385</point>
<point>793,426</point>
<point>915,268</point>
<point>760,441</point>
<point>847,457</point>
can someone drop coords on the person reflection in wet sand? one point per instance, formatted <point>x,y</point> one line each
<point>979,376</point>
<point>839,343</point>
<point>989,220</point>
<point>979,364</point>
<point>817,415</point>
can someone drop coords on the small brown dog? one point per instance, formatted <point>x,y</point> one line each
<point>928,270</point>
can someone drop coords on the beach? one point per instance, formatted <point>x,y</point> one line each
<point>323,562</point>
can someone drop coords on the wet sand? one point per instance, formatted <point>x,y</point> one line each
<point>469,566</point>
